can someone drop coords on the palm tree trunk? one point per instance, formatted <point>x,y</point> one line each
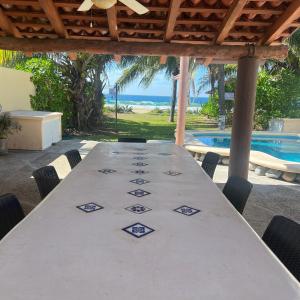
<point>221,94</point>
<point>174,98</point>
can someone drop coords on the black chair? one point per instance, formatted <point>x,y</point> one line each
<point>210,162</point>
<point>46,179</point>
<point>131,140</point>
<point>73,157</point>
<point>237,190</point>
<point>283,237</point>
<point>11,213</point>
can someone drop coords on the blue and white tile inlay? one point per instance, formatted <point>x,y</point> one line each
<point>138,209</point>
<point>107,171</point>
<point>90,207</point>
<point>186,210</point>
<point>138,230</point>
<point>172,173</point>
<point>139,193</point>
<point>139,181</point>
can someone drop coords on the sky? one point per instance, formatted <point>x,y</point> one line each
<point>160,86</point>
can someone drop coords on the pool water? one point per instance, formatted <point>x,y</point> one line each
<point>282,147</point>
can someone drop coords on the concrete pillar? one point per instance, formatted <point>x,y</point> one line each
<point>183,86</point>
<point>242,123</point>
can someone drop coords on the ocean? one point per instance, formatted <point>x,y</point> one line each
<point>151,101</point>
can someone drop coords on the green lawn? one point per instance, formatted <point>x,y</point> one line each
<point>148,125</point>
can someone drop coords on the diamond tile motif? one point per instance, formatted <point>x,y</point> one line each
<point>140,172</point>
<point>186,210</point>
<point>138,209</point>
<point>89,207</point>
<point>172,173</point>
<point>107,171</point>
<point>139,193</point>
<point>138,230</point>
<point>139,153</point>
<point>139,181</point>
<point>140,158</point>
<point>140,164</point>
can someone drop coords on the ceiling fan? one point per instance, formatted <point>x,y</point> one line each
<point>105,4</point>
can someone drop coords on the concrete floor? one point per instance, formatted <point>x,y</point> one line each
<point>269,197</point>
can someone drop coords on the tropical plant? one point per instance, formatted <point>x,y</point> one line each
<point>217,75</point>
<point>51,93</point>
<point>121,109</point>
<point>277,96</point>
<point>7,125</point>
<point>72,87</point>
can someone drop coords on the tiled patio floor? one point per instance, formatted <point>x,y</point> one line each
<point>269,197</point>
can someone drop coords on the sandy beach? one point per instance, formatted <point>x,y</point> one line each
<point>142,109</point>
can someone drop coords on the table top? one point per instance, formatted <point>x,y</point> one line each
<point>156,228</point>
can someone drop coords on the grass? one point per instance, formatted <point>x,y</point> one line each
<point>150,125</point>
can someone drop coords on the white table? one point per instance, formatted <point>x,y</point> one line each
<point>60,252</point>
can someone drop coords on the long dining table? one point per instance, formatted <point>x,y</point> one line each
<point>139,221</point>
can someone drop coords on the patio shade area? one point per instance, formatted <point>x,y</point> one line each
<point>169,28</point>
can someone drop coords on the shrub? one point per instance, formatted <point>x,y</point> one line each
<point>277,96</point>
<point>51,93</point>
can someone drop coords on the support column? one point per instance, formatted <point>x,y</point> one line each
<point>183,87</point>
<point>242,123</point>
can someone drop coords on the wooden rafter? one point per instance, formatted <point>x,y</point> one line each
<point>138,48</point>
<point>7,26</point>
<point>207,61</point>
<point>113,28</point>
<point>163,59</point>
<point>233,13</point>
<point>112,23</point>
<point>117,58</point>
<point>173,14</point>
<point>291,14</point>
<point>53,17</point>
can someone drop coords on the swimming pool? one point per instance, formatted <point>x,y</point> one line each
<point>280,146</point>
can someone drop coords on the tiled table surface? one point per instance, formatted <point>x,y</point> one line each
<point>138,221</point>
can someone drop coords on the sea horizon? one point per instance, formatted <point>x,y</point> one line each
<point>150,101</point>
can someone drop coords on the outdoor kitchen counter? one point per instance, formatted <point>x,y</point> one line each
<point>157,228</point>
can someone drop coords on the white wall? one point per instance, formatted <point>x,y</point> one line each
<point>15,89</point>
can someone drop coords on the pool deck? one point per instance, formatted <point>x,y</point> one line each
<point>269,197</point>
<point>256,157</point>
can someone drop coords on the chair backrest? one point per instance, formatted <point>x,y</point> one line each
<point>46,179</point>
<point>237,190</point>
<point>210,163</point>
<point>131,140</point>
<point>283,237</point>
<point>73,157</point>
<point>11,213</point>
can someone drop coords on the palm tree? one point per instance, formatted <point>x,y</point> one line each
<point>217,75</point>
<point>147,67</point>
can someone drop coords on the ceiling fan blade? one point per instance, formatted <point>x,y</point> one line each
<point>86,5</point>
<point>135,6</point>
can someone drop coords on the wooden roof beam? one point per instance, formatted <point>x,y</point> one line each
<point>53,16</point>
<point>173,14</point>
<point>138,48</point>
<point>163,59</point>
<point>117,59</point>
<point>232,15</point>
<point>112,23</point>
<point>7,26</point>
<point>291,14</point>
<point>207,61</point>
<point>113,28</point>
